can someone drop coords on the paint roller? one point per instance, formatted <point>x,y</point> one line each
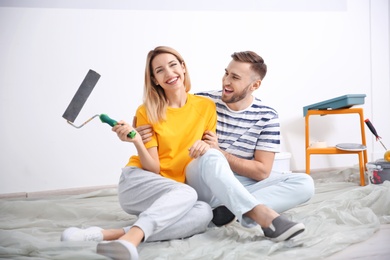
<point>79,99</point>
<point>378,138</point>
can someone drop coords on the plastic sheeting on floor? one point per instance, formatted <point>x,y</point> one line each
<point>340,214</point>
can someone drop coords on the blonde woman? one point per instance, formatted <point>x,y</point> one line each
<point>152,185</point>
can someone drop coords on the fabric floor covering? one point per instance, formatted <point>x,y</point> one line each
<point>340,214</point>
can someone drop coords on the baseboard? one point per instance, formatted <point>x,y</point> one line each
<point>328,169</point>
<point>51,193</point>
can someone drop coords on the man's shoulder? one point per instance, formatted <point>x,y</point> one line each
<point>213,94</point>
<point>260,105</point>
<point>202,99</point>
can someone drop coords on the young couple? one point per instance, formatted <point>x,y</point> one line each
<point>195,165</point>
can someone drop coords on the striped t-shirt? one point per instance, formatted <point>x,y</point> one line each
<point>242,132</point>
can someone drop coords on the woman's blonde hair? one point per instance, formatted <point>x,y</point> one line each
<point>154,96</point>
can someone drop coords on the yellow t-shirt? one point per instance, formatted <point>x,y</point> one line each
<point>182,127</point>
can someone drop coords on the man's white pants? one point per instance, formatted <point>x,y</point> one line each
<point>211,177</point>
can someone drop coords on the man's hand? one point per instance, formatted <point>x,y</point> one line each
<point>211,139</point>
<point>145,131</point>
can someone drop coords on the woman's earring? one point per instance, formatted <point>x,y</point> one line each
<point>155,82</point>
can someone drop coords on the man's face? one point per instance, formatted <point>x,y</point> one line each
<point>237,82</point>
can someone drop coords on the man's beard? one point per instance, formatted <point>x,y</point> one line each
<point>236,97</point>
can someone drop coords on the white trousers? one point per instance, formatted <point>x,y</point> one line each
<point>166,209</point>
<point>216,184</point>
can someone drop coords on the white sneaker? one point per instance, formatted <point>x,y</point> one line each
<point>78,234</point>
<point>117,250</point>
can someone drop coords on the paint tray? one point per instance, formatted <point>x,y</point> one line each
<point>345,101</point>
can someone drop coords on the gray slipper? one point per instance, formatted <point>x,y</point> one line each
<point>283,229</point>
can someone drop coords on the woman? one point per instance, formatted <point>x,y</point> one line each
<point>152,183</point>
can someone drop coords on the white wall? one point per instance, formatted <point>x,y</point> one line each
<point>315,50</point>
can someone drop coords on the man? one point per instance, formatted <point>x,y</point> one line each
<point>248,134</point>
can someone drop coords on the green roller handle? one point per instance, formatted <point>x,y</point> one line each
<point>106,119</point>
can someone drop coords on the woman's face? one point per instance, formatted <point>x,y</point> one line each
<point>168,72</point>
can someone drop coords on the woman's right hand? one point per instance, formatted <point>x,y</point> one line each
<point>122,129</point>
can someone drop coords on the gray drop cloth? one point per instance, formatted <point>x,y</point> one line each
<point>340,214</point>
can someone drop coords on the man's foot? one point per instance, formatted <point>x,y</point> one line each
<point>222,216</point>
<point>283,229</point>
<point>78,234</point>
<point>118,250</point>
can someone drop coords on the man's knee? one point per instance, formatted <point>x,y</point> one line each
<point>212,157</point>
<point>307,186</point>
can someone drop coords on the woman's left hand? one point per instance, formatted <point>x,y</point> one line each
<point>198,149</point>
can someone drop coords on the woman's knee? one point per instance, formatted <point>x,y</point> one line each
<point>188,192</point>
<point>206,213</point>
